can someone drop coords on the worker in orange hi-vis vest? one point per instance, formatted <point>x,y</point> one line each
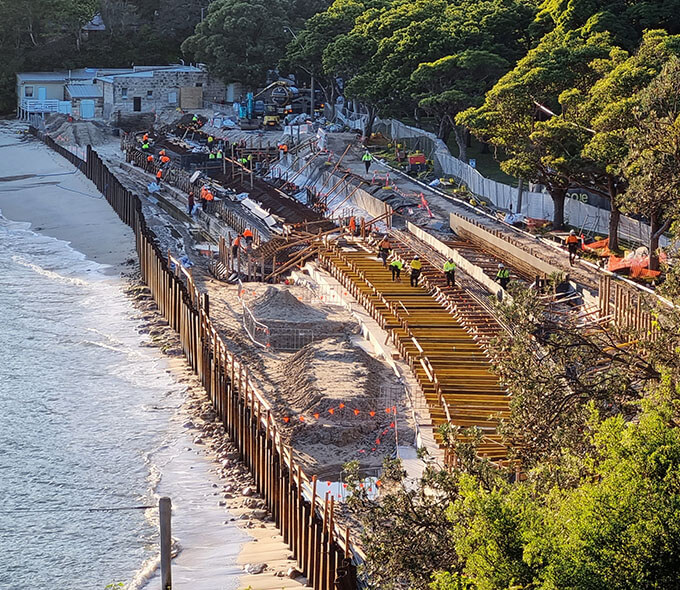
<point>159,176</point>
<point>235,246</point>
<point>208,198</point>
<point>248,235</point>
<point>572,245</point>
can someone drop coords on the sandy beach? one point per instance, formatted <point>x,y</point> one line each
<point>221,533</point>
<point>40,187</point>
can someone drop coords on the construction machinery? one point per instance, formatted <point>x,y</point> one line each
<point>278,99</point>
<point>246,114</point>
<point>275,98</point>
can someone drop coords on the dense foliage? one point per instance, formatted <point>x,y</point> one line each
<point>42,35</point>
<point>555,86</point>
<point>595,426</point>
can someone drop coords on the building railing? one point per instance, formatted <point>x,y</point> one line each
<point>40,106</point>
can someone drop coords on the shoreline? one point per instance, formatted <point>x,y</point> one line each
<point>65,206</point>
<point>61,203</point>
<point>241,503</point>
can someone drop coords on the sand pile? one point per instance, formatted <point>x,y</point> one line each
<point>282,305</point>
<point>77,132</point>
<point>325,376</point>
<point>292,323</point>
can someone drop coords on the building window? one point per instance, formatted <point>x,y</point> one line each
<point>123,92</point>
<point>172,97</point>
<point>199,84</point>
<point>28,91</point>
<point>149,93</point>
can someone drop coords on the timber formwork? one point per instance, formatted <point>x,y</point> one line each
<point>467,301</point>
<point>450,365</point>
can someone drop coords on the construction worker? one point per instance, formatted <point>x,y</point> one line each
<point>503,275</point>
<point>219,155</point>
<point>416,267</point>
<point>572,246</point>
<point>162,153</point>
<point>194,119</point>
<point>235,246</point>
<point>191,201</point>
<point>159,176</point>
<point>210,140</point>
<point>149,162</point>
<point>211,156</point>
<point>248,235</point>
<point>395,267</point>
<point>145,146</point>
<point>145,138</point>
<point>352,225</point>
<point>450,272</point>
<point>384,250</point>
<point>165,159</point>
<point>208,198</point>
<point>367,159</point>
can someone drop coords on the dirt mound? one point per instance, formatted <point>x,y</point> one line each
<point>77,132</point>
<point>130,122</point>
<point>281,305</point>
<point>332,374</point>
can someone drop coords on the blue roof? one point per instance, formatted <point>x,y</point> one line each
<point>106,74</point>
<point>85,91</point>
<point>149,73</point>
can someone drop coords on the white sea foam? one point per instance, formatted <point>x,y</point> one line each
<point>90,418</point>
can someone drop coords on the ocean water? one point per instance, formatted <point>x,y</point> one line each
<point>83,409</point>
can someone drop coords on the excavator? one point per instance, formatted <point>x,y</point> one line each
<point>280,97</point>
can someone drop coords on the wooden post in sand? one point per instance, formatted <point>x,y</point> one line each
<point>165,512</point>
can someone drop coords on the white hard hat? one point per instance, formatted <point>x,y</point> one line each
<point>572,232</point>
<point>500,265</point>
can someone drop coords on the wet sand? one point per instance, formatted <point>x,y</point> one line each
<point>40,187</point>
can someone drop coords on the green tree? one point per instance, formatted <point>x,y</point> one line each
<point>653,161</point>
<point>406,535</point>
<point>455,83</point>
<point>556,370</point>
<point>241,40</point>
<point>620,528</point>
<point>386,44</point>
<point>306,52</point>
<point>617,528</point>
<point>515,109</point>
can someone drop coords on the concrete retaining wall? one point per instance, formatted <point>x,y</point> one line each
<point>502,248</point>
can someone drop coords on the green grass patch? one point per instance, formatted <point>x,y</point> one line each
<point>486,163</point>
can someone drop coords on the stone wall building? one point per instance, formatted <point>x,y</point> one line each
<point>87,100</point>
<point>152,90</point>
<point>141,89</point>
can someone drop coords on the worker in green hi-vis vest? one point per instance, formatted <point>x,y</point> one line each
<point>367,159</point>
<point>450,272</point>
<point>395,267</point>
<point>503,275</point>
